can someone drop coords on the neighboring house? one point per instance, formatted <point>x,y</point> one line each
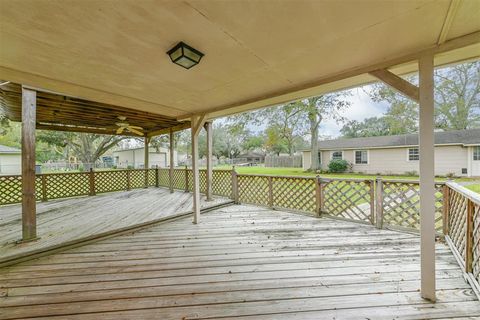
<point>456,152</point>
<point>135,158</point>
<point>252,157</point>
<point>10,160</point>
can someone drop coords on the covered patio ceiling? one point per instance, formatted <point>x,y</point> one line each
<point>257,53</point>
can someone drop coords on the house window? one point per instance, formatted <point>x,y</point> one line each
<point>319,157</point>
<point>413,154</point>
<point>361,157</point>
<point>337,155</point>
<point>476,153</point>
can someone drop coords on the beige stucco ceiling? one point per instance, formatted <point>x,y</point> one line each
<point>257,53</point>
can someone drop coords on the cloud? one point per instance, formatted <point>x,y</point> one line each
<point>361,107</point>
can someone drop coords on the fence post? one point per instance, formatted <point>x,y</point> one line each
<point>318,196</point>
<point>128,180</point>
<point>91,179</point>
<point>446,210</point>
<point>157,178</point>
<point>270,191</point>
<point>379,206</point>
<point>44,187</point>
<point>371,184</point>
<point>469,237</point>
<point>235,194</point>
<point>146,178</point>
<point>186,179</point>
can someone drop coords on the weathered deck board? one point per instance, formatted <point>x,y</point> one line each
<point>60,221</point>
<point>241,262</point>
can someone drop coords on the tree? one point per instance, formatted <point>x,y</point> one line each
<point>88,147</point>
<point>457,96</point>
<point>317,109</point>
<point>367,128</point>
<point>457,100</point>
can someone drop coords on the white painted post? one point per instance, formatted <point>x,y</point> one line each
<point>172,161</point>
<point>427,178</point>
<point>208,127</point>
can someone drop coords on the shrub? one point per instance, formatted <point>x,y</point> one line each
<point>450,175</point>
<point>338,166</point>
<point>411,173</point>
<point>129,167</point>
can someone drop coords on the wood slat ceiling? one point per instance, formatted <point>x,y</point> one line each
<point>63,113</point>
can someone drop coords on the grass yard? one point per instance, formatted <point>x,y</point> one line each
<point>474,187</point>
<point>300,172</point>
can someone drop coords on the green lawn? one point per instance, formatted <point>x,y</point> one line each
<point>474,187</point>
<point>300,172</point>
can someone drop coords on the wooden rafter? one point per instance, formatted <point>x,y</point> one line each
<point>64,113</point>
<point>397,83</point>
<point>452,10</point>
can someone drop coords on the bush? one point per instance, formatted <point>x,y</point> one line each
<point>450,175</point>
<point>338,166</point>
<point>411,173</point>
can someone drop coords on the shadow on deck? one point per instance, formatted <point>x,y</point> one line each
<point>66,221</point>
<point>241,262</point>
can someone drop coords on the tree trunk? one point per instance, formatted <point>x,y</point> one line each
<point>315,164</point>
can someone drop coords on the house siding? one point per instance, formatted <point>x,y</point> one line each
<point>10,164</point>
<point>448,159</point>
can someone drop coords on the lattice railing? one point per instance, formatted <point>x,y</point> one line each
<point>253,189</point>
<point>66,185</point>
<point>107,181</point>
<point>463,230</point>
<point>222,183</point>
<point>297,193</point>
<point>348,199</point>
<point>401,204</point>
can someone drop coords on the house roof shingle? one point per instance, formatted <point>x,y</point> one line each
<point>5,149</point>
<point>461,137</point>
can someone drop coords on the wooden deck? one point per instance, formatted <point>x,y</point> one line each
<point>241,262</point>
<point>67,220</point>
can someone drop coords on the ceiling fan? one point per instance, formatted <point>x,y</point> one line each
<point>124,125</point>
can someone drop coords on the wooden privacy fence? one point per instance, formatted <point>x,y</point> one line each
<point>65,185</point>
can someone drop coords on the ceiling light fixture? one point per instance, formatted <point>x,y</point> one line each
<point>184,55</point>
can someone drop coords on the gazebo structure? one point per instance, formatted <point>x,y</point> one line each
<point>78,66</point>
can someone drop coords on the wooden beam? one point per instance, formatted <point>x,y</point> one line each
<point>209,129</point>
<point>427,178</point>
<point>180,127</point>
<point>198,123</point>
<point>447,23</point>
<point>397,83</point>
<point>29,214</point>
<point>172,162</point>
<point>196,126</point>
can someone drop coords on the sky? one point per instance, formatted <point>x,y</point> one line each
<point>361,107</point>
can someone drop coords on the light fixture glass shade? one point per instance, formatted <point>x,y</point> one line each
<point>184,55</point>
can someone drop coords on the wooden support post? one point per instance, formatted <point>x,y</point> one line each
<point>427,178</point>
<point>157,176</point>
<point>235,193</point>
<point>397,83</point>
<point>186,179</point>
<point>318,196</point>
<point>209,179</point>
<point>197,123</point>
<point>371,185</point>
<point>44,188</point>
<point>146,159</point>
<point>91,179</point>
<point>29,214</point>
<point>128,180</point>
<point>446,210</point>
<point>469,237</point>
<point>379,206</point>
<point>270,192</point>
<point>172,160</point>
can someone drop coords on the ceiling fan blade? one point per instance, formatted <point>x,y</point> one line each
<point>135,131</point>
<point>120,130</point>
<point>136,127</point>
